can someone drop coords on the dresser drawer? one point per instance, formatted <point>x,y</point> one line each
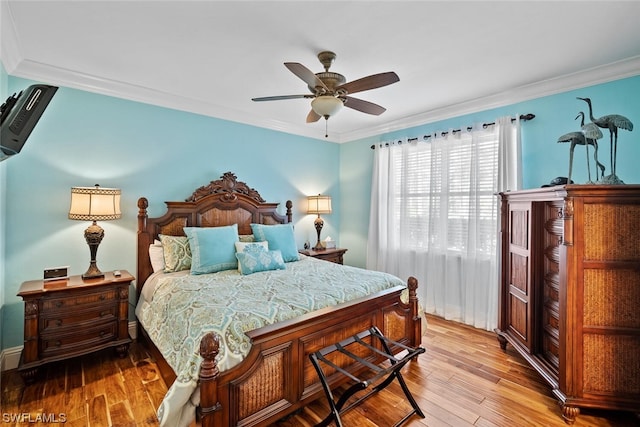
<point>60,344</point>
<point>71,301</point>
<point>78,319</point>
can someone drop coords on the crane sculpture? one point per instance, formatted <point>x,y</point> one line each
<point>613,122</point>
<point>592,134</point>
<point>586,136</point>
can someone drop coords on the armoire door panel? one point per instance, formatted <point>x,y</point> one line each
<point>520,273</point>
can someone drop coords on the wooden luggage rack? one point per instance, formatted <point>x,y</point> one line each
<point>381,377</point>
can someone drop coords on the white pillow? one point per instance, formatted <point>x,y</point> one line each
<point>156,256</point>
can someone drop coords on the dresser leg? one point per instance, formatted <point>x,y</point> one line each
<point>569,413</point>
<point>501,339</point>
<point>29,375</point>
<point>122,350</point>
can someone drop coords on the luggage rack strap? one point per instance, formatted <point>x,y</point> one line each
<point>391,372</point>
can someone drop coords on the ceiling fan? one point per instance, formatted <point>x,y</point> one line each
<point>330,91</point>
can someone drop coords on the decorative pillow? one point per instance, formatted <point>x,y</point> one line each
<point>212,248</point>
<point>255,257</point>
<point>240,246</point>
<point>247,238</point>
<point>156,256</point>
<point>176,253</point>
<point>280,237</point>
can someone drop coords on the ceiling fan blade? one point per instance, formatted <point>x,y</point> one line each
<point>370,82</point>
<point>313,117</point>
<point>277,98</point>
<point>306,75</point>
<point>363,106</point>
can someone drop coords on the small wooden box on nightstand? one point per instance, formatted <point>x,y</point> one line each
<point>72,317</point>
<point>333,255</point>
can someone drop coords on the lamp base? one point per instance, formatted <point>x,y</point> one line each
<point>93,235</point>
<point>318,223</point>
<point>93,272</point>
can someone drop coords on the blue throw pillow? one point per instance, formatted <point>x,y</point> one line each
<point>255,257</point>
<point>280,237</point>
<point>212,248</point>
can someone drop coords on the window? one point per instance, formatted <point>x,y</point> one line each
<point>434,216</point>
<point>445,193</point>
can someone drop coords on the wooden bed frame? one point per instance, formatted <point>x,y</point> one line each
<point>277,377</point>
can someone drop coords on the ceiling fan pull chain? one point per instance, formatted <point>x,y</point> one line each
<point>326,128</point>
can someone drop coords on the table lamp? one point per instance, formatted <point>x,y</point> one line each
<point>94,204</point>
<point>319,205</point>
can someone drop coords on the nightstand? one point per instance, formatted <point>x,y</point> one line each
<point>71,317</point>
<point>333,255</point>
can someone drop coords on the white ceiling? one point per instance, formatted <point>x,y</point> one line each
<point>212,57</point>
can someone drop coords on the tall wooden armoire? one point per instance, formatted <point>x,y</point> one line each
<point>570,291</point>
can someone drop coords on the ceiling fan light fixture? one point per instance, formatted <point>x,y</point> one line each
<point>326,105</point>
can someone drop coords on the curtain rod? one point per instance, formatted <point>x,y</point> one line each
<point>523,117</point>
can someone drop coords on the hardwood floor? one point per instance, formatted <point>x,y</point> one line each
<point>463,379</point>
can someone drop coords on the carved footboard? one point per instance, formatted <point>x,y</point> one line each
<point>277,377</point>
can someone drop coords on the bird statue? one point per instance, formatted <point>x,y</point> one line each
<point>592,134</point>
<point>580,138</point>
<point>613,122</point>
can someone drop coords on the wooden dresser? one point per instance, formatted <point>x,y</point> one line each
<point>570,291</point>
<point>71,317</point>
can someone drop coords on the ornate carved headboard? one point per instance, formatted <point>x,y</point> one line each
<point>225,201</point>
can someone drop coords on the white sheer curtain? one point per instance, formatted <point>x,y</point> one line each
<point>434,215</point>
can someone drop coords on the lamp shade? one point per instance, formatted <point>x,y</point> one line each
<point>326,105</point>
<point>95,203</point>
<point>319,204</point>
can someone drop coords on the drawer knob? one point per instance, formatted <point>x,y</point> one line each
<point>58,343</point>
<point>59,304</point>
<point>102,297</point>
<point>58,322</point>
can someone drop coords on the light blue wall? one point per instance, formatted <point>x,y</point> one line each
<point>543,158</point>
<point>84,139</point>
<point>163,154</point>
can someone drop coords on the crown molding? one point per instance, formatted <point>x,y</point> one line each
<point>618,70</point>
<point>9,46</point>
<point>96,84</point>
<point>629,67</point>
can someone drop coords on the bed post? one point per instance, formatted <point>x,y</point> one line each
<point>289,205</point>
<point>209,405</point>
<point>412,284</point>
<point>144,240</point>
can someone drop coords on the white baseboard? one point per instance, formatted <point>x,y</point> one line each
<point>10,357</point>
<point>133,330</point>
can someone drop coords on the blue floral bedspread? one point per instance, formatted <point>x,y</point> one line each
<point>183,308</point>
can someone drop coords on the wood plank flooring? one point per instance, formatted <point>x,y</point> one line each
<point>463,379</point>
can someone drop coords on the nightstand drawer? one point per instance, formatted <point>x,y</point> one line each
<point>79,300</point>
<point>58,344</point>
<point>78,319</point>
